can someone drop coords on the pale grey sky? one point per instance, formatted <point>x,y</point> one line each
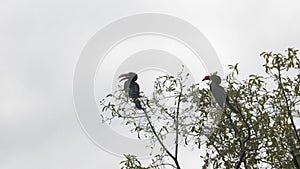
<point>42,40</point>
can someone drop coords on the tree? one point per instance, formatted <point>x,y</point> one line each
<point>261,133</point>
<point>168,113</point>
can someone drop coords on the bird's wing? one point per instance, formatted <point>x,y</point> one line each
<point>134,91</point>
<point>219,94</point>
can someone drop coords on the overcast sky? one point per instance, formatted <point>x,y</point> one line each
<point>41,42</point>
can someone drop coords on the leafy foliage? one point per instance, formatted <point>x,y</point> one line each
<point>260,133</point>
<point>131,162</point>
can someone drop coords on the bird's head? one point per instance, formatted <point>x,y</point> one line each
<point>214,78</point>
<point>131,76</point>
<point>206,78</point>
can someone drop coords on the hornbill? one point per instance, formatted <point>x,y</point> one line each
<point>131,87</point>
<point>220,96</point>
<point>218,92</point>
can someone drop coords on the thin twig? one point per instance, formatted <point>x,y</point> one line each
<point>177,123</point>
<point>159,140</point>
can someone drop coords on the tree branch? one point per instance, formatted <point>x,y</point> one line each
<point>159,140</point>
<point>288,106</point>
<point>177,123</point>
<point>296,163</point>
<point>242,142</point>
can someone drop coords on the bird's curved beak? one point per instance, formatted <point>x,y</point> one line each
<point>206,78</point>
<point>123,77</point>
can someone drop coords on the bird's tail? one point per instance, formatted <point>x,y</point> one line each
<point>138,104</point>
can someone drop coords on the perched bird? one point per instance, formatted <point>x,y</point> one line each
<point>131,87</point>
<point>218,92</point>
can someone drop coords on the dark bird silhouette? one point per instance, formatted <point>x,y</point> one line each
<point>131,87</point>
<point>218,92</point>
